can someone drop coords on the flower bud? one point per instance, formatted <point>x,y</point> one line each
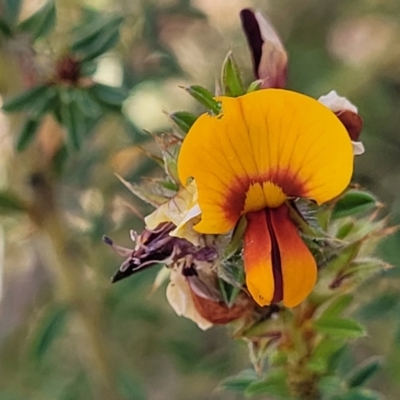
<point>268,52</point>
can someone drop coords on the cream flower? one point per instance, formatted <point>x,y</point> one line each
<point>181,300</point>
<point>183,211</point>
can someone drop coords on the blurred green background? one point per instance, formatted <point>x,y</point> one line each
<point>65,331</point>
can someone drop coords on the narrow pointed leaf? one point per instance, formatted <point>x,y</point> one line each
<point>12,9</point>
<point>108,95</point>
<point>73,120</point>
<point>44,104</point>
<point>10,202</point>
<point>354,202</point>
<point>100,45</point>
<point>5,28</point>
<point>41,22</point>
<point>86,103</point>
<point>364,372</point>
<point>239,382</point>
<point>379,306</point>
<point>94,30</point>
<point>274,385</point>
<point>359,394</point>
<point>204,97</point>
<point>231,80</point>
<point>27,134</point>
<point>184,120</point>
<point>255,85</point>
<point>339,305</point>
<point>339,327</point>
<point>25,100</point>
<point>50,329</point>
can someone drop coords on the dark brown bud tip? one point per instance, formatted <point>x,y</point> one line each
<point>253,35</point>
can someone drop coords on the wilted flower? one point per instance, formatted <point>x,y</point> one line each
<point>182,210</point>
<point>265,148</point>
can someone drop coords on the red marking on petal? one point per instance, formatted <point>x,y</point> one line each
<point>276,260</point>
<point>290,184</point>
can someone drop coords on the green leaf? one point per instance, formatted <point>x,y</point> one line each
<point>108,95</point>
<point>10,202</point>
<point>339,327</point>
<point>12,9</point>
<point>240,382</point>
<point>44,104</point>
<point>337,306</point>
<point>96,37</point>
<point>86,103</point>
<point>343,257</point>
<point>231,80</point>
<point>88,32</point>
<point>130,387</point>
<point>183,119</point>
<point>345,230</point>
<point>354,202</point>
<point>359,394</point>
<point>320,360</point>
<point>100,45</point>
<point>27,134</point>
<point>73,119</point>
<point>204,97</point>
<point>237,238</point>
<point>329,386</point>
<point>254,86</point>
<point>364,372</point>
<point>41,22</point>
<point>339,358</point>
<point>49,330</point>
<point>379,306</point>
<point>274,385</point>
<point>5,28</point>
<point>25,100</point>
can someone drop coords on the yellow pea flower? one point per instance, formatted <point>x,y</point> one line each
<point>264,148</point>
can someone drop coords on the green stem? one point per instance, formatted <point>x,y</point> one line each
<point>303,383</point>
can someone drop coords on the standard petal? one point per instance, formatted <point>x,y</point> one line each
<point>264,144</point>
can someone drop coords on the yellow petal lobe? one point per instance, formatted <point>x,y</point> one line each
<point>262,141</point>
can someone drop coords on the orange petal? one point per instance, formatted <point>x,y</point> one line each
<point>257,254</point>
<point>278,265</point>
<point>299,268</point>
<point>265,146</point>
